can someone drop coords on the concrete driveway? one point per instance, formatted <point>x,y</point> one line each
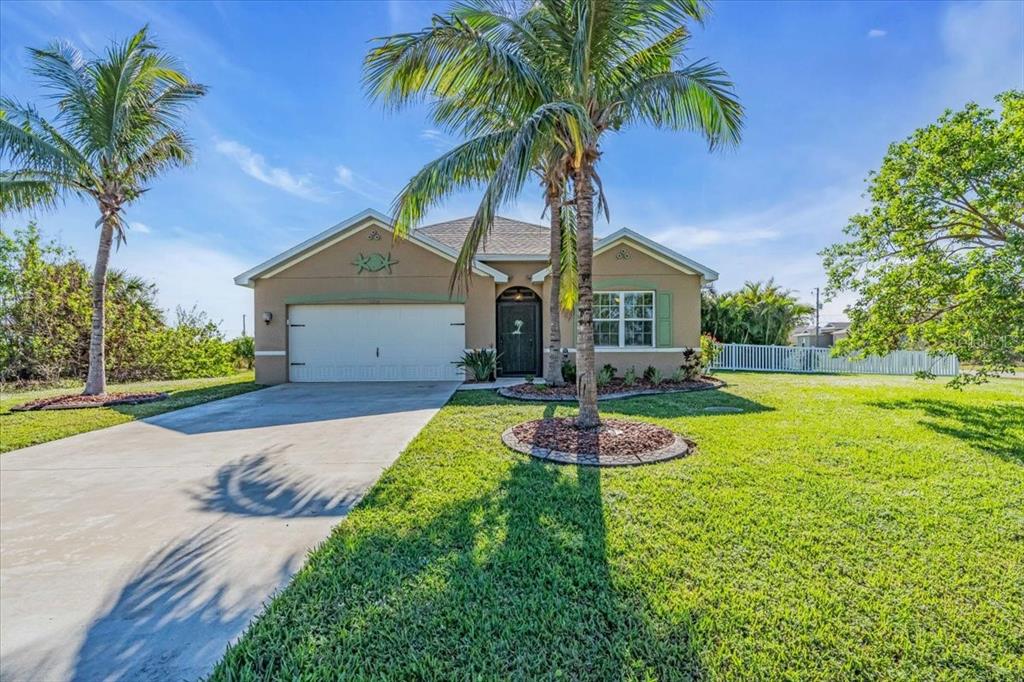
<point>139,551</point>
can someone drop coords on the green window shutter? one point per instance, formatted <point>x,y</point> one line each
<point>663,318</point>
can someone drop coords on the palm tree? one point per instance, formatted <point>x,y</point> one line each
<point>494,116</point>
<point>116,128</point>
<point>560,74</point>
<point>624,60</point>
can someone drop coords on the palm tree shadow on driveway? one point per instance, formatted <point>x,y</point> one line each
<point>514,582</point>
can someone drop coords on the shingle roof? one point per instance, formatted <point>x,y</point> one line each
<point>508,237</point>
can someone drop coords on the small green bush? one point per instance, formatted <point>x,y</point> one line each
<point>605,375</point>
<point>569,372</point>
<point>709,350</point>
<point>629,378</point>
<point>649,373</point>
<point>482,363</point>
<point>691,365</point>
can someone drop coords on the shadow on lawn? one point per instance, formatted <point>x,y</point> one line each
<point>511,583</point>
<point>996,429</point>
<point>713,403</point>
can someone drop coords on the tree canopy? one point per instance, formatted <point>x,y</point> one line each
<point>937,261</point>
<point>760,312</point>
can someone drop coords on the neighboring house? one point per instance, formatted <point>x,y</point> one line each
<point>828,334</point>
<point>352,304</point>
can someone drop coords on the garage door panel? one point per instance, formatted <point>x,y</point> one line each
<point>399,342</point>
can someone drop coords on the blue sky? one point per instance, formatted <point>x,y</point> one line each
<point>287,144</point>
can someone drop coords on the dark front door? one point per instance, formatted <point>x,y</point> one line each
<point>519,337</point>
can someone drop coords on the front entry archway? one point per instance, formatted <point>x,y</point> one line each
<point>519,332</point>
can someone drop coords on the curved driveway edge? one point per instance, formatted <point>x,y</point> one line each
<point>138,552</point>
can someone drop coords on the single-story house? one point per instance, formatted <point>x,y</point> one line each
<point>827,335</point>
<point>353,304</point>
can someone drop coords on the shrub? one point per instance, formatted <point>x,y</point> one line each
<point>679,375</point>
<point>482,363</point>
<point>649,373</point>
<point>244,349</point>
<point>191,349</point>
<point>629,378</point>
<point>568,372</point>
<point>709,350</point>
<point>657,376</point>
<point>605,375</point>
<point>691,365</point>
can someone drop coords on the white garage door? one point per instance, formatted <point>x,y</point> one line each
<point>375,342</point>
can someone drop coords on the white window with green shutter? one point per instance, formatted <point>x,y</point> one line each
<point>627,319</point>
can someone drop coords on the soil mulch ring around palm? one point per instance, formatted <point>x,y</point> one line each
<point>615,443</point>
<point>615,388</point>
<point>77,402</point>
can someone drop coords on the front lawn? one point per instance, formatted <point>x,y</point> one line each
<point>838,528</point>
<point>20,429</point>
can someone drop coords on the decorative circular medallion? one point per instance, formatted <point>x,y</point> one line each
<point>623,254</point>
<point>374,236</point>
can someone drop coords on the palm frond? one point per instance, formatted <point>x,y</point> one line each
<point>448,58</point>
<point>698,97</point>
<point>520,158</point>
<point>468,164</point>
<point>569,287</point>
<point>19,193</point>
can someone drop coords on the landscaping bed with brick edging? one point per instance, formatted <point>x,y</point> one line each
<point>615,443</point>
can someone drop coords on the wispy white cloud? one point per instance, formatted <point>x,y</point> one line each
<point>438,139</point>
<point>877,33</point>
<point>354,182</point>
<point>141,228</point>
<point>255,166</point>
<point>701,237</point>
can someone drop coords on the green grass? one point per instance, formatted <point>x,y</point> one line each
<point>840,528</point>
<point>20,429</point>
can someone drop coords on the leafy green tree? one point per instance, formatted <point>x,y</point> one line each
<point>45,294</point>
<point>560,74</point>
<point>116,128</point>
<point>45,311</point>
<point>938,259</point>
<point>759,313</point>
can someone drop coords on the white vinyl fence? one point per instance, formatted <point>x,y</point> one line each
<point>755,358</point>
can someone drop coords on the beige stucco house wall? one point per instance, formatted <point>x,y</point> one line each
<point>322,271</point>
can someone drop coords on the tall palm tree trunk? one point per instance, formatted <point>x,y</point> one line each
<point>553,368</point>
<point>96,381</point>
<point>586,374</point>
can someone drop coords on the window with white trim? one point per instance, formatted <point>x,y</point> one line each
<point>624,319</point>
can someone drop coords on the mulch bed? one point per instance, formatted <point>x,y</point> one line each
<point>77,402</point>
<point>615,443</point>
<point>615,388</point>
